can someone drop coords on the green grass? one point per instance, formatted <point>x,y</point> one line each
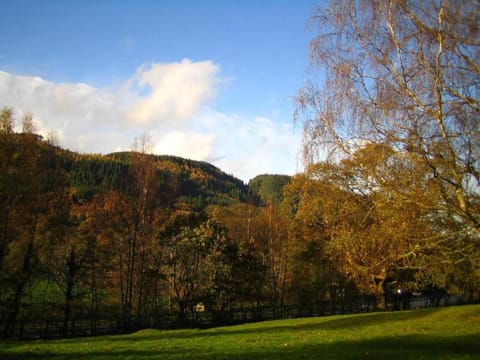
<point>445,333</point>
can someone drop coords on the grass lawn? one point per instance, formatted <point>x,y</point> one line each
<point>444,333</point>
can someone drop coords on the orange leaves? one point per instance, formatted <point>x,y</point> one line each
<point>360,215</point>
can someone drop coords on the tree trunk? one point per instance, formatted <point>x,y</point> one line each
<point>71,271</point>
<point>4,235</point>
<point>380,301</point>
<point>19,288</point>
<point>380,297</point>
<point>93,296</point>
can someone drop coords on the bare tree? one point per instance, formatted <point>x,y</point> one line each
<point>28,124</point>
<point>7,121</point>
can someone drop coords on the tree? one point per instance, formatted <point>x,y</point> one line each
<point>129,219</point>
<point>143,187</point>
<point>407,74</point>
<point>271,235</point>
<point>64,252</point>
<point>250,234</point>
<point>346,213</point>
<point>404,74</point>
<point>120,227</point>
<point>8,171</point>
<point>318,276</point>
<point>65,255</point>
<point>28,125</point>
<point>34,187</point>
<point>190,241</point>
<point>7,121</point>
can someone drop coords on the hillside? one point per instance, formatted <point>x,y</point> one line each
<point>101,244</point>
<point>180,182</point>
<point>269,188</point>
<point>88,240</point>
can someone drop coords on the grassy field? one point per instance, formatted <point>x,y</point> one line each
<point>444,333</point>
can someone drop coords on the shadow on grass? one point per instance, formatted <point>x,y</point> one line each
<point>280,326</point>
<point>403,347</point>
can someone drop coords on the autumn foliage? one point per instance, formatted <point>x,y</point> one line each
<point>386,210</point>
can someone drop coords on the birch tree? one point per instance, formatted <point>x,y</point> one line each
<point>406,74</point>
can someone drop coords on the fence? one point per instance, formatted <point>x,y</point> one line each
<point>81,324</point>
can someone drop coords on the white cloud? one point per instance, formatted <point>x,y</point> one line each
<point>70,110</point>
<point>176,91</point>
<point>196,146</point>
<point>173,110</point>
<point>248,147</point>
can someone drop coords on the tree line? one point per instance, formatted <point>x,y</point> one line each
<point>81,234</point>
<point>387,207</point>
<point>93,244</point>
<point>391,126</point>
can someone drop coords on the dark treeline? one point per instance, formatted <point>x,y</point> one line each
<point>94,244</point>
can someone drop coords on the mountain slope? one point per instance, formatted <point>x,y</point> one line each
<point>195,184</point>
<point>181,182</point>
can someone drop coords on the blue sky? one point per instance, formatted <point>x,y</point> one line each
<point>209,80</point>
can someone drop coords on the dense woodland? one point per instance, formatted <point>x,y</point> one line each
<point>388,206</point>
<point>93,243</point>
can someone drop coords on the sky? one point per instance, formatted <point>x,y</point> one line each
<point>206,80</point>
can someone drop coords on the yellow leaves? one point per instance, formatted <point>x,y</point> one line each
<point>360,213</point>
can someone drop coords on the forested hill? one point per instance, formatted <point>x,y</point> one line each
<point>117,242</point>
<point>197,183</point>
<point>269,188</point>
<point>179,183</point>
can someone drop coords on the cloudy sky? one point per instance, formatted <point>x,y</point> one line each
<point>207,80</point>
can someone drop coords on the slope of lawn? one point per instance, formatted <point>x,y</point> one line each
<point>444,333</point>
